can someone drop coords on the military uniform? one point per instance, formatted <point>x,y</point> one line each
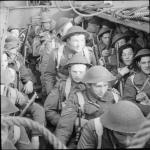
<point>55,70</point>
<point>135,86</point>
<point>100,135</point>
<point>93,106</point>
<point>56,100</point>
<point>130,91</point>
<point>13,136</point>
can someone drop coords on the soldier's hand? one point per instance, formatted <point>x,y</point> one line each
<point>123,71</point>
<point>28,88</point>
<point>105,53</point>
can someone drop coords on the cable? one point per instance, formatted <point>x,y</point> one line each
<point>22,121</point>
<point>86,15</point>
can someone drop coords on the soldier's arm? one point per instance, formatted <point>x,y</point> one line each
<point>88,138</point>
<point>38,114</point>
<point>51,107</point>
<point>130,94</point>
<point>66,122</point>
<point>50,73</point>
<point>25,74</point>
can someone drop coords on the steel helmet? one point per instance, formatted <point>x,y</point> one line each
<point>78,58</point>
<point>141,53</point>
<point>124,116</point>
<point>75,30</point>
<point>98,74</point>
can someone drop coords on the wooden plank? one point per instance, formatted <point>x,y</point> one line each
<point>4,14</point>
<point>134,24</point>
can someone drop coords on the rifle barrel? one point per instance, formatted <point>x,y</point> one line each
<point>29,104</point>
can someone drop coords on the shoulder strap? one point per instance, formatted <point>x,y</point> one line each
<point>67,87</point>
<point>17,133</point>
<point>59,54</point>
<point>99,131</point>
<point>81,100</point>
<point>132,80</point>
<point>87,54</point>
<point>139,90</point>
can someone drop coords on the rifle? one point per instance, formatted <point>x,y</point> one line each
<point>105,59</point>
<point>118,66</point>
<point>78,133</point>
<point>95,48</point>
<point>31,101</point>
<point>18,80</point>
<point>23,48</point>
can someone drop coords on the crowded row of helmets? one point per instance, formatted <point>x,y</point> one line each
<point>19,14</point>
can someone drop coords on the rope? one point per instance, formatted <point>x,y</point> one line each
<point>89,15</point>
<point>142,136</point>
<point>133,13</point>
<point>21,121</point>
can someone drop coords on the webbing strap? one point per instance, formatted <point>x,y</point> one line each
<point>81,101</point>
<point>142,88</point>
<point>87,54</point>
<point>59,54</point>
<point>68,87</point>
<point>99,131</point>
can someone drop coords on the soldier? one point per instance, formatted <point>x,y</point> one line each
<point>137,87</point>
<point>45,45</point>
<point>16,62</point>
<point>20,99</point>
<point>12,136</point>
<point>126,64</point>
<point>88,104</point>
<point>104,36</point>
<point>75,42</point>
<point>56,100</point>
<point>114,129</point>
<point>93,29</point>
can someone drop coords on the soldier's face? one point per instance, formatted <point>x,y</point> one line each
<point>4,62</point>
<point>77,72</point>
<point>105,38</point>
<point>100,88</point>
<point>127,56</point>
<point>144,64</point>
<point>123,138</point>
<point>76,42</point>
<point>46,25</point>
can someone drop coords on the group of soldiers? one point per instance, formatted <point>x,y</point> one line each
<point>94,77</point>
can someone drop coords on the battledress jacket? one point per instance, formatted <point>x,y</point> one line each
<point>52,73</point>
<point>93,108</point>
<point>53,103</point>
<point>89,138</point>
<point>130,91</point>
